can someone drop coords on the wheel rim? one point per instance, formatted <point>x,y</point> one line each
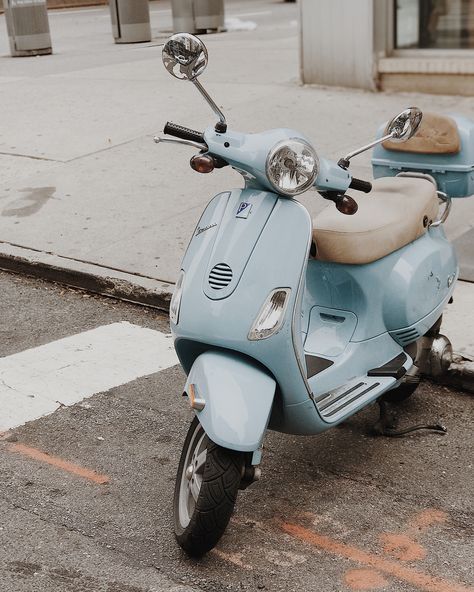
<point>192,474</point>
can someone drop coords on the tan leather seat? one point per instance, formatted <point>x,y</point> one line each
<point>395,213</point>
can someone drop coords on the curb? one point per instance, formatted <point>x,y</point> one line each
<point>87,276</point>
<point>72,4</point>
<point>460,374</point>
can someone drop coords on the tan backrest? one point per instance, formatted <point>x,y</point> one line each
<point>438,134</point>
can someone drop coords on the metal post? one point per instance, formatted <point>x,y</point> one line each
<point>28,27</point>
<point>183,16</point>
<point>130,21</point>
<point>209,15</point>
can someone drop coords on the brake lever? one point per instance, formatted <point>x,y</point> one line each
<point>159,140</point>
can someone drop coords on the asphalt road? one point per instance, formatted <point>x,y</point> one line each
<point>340,512</point>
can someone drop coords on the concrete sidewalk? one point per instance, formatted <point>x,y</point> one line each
<point>85,195</point>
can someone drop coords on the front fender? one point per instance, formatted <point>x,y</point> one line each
<point>238,399</point>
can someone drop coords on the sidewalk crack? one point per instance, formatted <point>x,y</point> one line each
<point>31,157</point>
<point>103,544</point>
<point>3,383</point>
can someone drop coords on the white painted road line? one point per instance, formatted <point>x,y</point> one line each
<point>35,382</point>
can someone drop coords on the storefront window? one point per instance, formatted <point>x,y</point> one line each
<point>434,24</point>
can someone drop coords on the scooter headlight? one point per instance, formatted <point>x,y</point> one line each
<point>292,166</point>
<point>271,316</point>
<point>176,299</point>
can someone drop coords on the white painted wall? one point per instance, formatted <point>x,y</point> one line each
<point>337,43</point>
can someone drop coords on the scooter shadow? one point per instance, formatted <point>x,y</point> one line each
<point>352,450</point>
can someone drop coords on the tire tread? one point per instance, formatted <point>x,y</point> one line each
<point>217,497</point>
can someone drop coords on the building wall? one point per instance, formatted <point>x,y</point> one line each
<point>351,43</point>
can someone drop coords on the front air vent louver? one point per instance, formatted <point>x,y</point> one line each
<point>406,336</point>
<point>220,276</point>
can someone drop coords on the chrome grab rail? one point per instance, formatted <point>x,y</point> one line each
<point>444,197</point>
<point>447,209</point>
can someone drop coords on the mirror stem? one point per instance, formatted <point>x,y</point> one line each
<point>221,127</point>
<point>344,162</point>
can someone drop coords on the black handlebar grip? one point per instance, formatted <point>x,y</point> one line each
<point>360,185</point>
<point>185,133</point>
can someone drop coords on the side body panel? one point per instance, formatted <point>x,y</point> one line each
<point>391,294</point>
<point>359,318</point>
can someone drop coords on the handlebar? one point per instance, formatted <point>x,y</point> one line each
<point>360,185</point>
<point>185,133</point>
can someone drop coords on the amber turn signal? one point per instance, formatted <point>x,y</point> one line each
<point>202,163</point>
<point>347,205</point>
<point>195,401</point>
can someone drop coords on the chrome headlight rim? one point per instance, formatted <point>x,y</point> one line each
<point>310,181</point>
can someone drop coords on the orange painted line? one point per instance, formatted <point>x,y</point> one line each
<point>364,579</point>
<point>396,570</point>
<point>59,463</point>
<point>402,547</point>
<point>427,518</point>
<point>234,558</point>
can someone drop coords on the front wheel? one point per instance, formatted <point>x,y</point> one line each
<point>206,489</point>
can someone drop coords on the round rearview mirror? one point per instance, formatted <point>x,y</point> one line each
<point>405,125</point>
<point>185,56</point>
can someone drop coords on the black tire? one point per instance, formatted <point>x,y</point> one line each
<point>215,502</point>
<point>401,393</point>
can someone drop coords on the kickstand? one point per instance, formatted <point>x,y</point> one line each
<point>386,424</point>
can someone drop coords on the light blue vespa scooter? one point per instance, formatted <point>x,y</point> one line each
<point>290,324</point>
